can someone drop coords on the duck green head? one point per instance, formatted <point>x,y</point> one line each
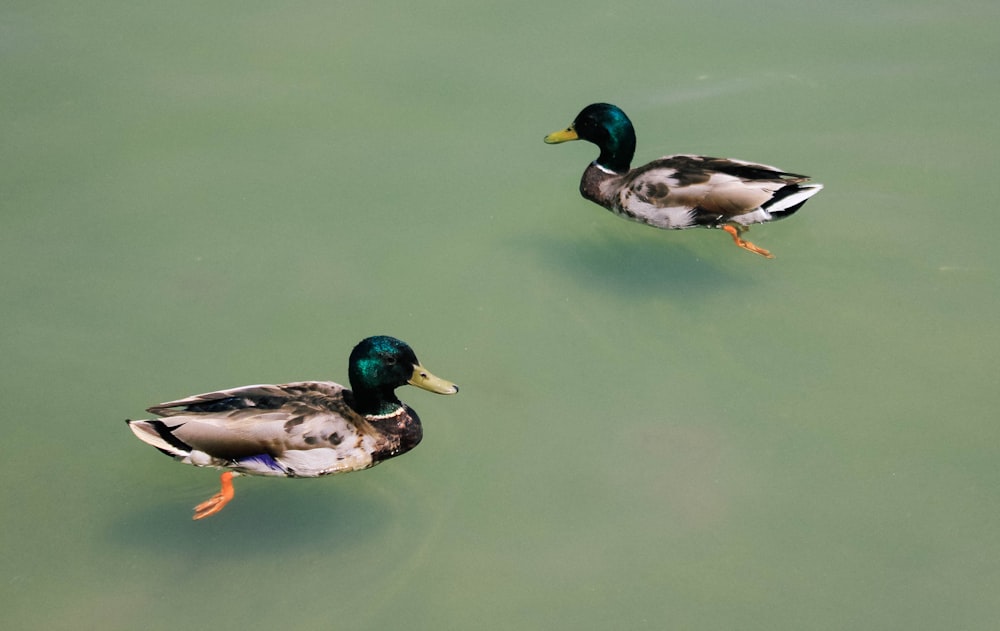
<point>380,364</point>
<point>606,126</point>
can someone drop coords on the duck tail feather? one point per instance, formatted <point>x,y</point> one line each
<point>160,435</point>
<point>790,198</point>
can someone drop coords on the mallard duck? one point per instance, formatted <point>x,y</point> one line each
<point>681,191</point>
<point>304,429</point>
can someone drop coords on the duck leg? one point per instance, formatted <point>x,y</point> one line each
<point>218,501</point>
<point>736,231</point>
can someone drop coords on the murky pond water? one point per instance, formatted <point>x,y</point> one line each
<point>655,429</point>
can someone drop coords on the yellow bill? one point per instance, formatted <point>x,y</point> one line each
<point>564,135</point>
<point>422,378</point>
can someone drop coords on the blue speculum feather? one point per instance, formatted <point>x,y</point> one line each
<point>264,459</point>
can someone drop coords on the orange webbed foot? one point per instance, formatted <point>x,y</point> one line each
<point>218,501</point>
<point>746,245</point>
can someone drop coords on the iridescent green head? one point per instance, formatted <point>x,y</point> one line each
<point>606,126</point>
<point>380,364</point>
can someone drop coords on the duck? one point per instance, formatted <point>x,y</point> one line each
<point>680,191</point>
<point>303,429</point>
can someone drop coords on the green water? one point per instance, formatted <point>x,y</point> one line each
<point>656,430</point>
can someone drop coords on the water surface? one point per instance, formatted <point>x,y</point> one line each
<point>655,429</point>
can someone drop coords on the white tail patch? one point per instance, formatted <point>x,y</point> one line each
<point>805,192</point>
<point>148,434</point>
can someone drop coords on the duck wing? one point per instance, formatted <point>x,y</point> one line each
<point>301,429</point>
<point>710,189</point>
<point>317,394</point>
